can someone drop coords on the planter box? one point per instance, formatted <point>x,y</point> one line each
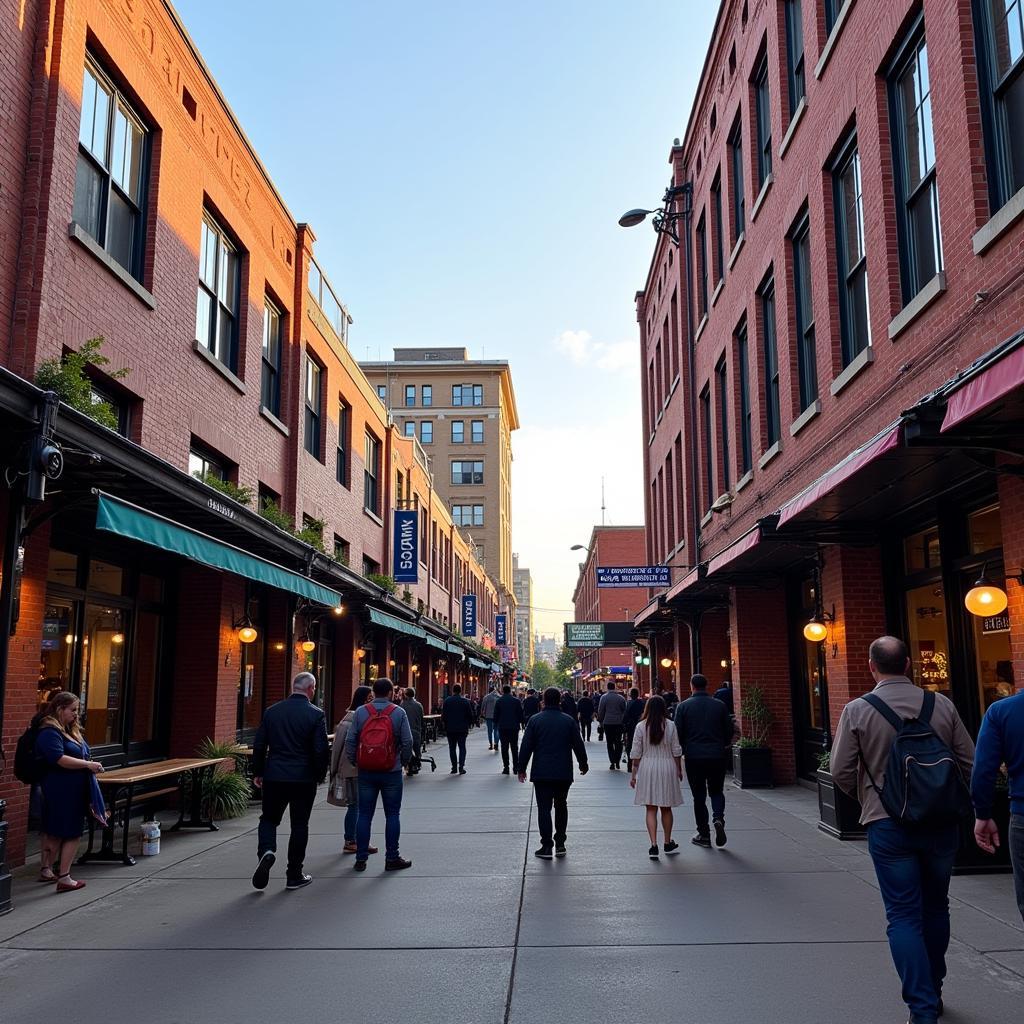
<point>839,814</point>
<point>972,861</point>
<point>752,767</point>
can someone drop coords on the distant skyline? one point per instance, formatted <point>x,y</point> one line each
<point>464,165</point>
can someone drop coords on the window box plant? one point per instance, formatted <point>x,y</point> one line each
<point>838,813</point>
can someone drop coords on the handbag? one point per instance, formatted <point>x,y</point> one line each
<point>341,792</point>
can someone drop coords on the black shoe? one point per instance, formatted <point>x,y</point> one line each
<point>612,767</point>
<point>504,771</point>
<point>462,771</point>
<point>560,850</point>
<point>699,839</point>
<point>454,771</point>
<point>299,883</point>
<point>544,853</point>
<point>653,852</point>
<point>719,832</point>
<point>398,864</point>
<point>672,847</point>
<point>261,875</point>
<point>360,865</point>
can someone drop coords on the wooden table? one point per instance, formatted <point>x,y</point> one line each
<point>121,783</point>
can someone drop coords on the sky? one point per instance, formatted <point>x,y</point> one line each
<point>463,164</point>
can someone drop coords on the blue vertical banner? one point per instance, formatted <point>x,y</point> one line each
<point>406,561</point>
<point>501,630</point>
<point>469,615</point>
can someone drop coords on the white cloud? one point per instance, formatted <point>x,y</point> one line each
<point>610,357</point>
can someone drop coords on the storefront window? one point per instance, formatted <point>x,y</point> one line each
<point>56,650</point>
<point>62,568</point>
<point>993,658</point>
<point>921,551</point>
<point>144,686</point>
<point>102,673</point>
<point>986,531</point>
<point>106,578</point>
<point>929,637</point>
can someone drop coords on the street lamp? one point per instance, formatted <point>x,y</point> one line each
<point>665,218</point>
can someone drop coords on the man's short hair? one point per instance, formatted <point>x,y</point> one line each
<point>611,684</point>
<point>531,692</point>
<point>634,693</point>
<point>889,655</point>
<point>699,682</point>
<point>410,693</point>
<point>383,687</point>
<point>552,697</point>
<point>506,688</point>
<point>304,681</point>
<point>457,688</point>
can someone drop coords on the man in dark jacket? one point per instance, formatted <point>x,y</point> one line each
<point>508,719</point>
<point>457,716</point>
<point>290,755</point>
<point>705,732</point>
<point>414,712</point>
<point>531,704</point>
<point>610,711</point>
<point>569,705</point>
<point>631,718</point>
<point>551,739</point>
<point>724,694</point>
<point>585,709</point>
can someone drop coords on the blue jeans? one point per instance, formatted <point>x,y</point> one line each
<point>389,786</point>
<point>351,817</point>
<point>492,733</point>
<point>913,868</point>
<point>1017,858</point>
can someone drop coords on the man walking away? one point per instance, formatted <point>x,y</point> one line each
<point>705,732</point>
<point>631,716</point>
<point>290,755</point>
<point>913,861</point>
<point>414,712</point>
<point>585,709</point>
<point>610,712</point>
<point>724,694</point>
<point>1001,741</point>
<point>379,742</point>
<point>551,739</point>
<point>508,720</point>
<point>569,705</point>
<point>457,716</point>
<point>531,704</point>
<point>487,709</point>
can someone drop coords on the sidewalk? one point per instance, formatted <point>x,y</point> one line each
<point>783,925</point>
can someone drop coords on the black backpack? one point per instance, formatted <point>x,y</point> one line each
<point>28,768</point>
<point>923,782</point>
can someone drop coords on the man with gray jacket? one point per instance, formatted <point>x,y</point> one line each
<point>487,710</point>
<point>611,710</point>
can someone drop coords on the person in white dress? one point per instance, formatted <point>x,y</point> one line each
<point>657,772</point>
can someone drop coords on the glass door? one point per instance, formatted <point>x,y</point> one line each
<point>102,673</point>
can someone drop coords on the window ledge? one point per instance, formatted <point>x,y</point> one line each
<point>675,384</point>
<point>759,201</point>
<point>917,305</point>
<point>805,417</point>
<point>773,452</point>
<point>830,43</point>
<point>708,516</point>
<point>700,327</point>
<point>1007,214</point>
<point>78,234</point>
<point>736,249</point>
<point>273,420</point>
<point>373,515</point>
<point>798,116</point>
<point>661,416</point>
<point>858,364</point>
<point>717,291</point>
<point>205,354</point>
<point>744,480</point>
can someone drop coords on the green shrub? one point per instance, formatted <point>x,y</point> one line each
<point>271,511</point>
<point>757,716</point>
<point>225,790</point>
<point>243,495</point>
<point>382,581</point>
<point>67,377</point>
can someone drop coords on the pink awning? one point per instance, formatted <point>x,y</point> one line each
<point>687,581</point>
<point>851,465</point>
<point>988,387</point>
<point>749,540</point>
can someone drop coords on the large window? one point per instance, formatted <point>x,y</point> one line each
<point>917,193</point>
<point>851,260</point>
<point>371,474</point>
<point>217,298</point>
<point>410,395</point>
<point>707,444</point>
<point>426,431</point>
<point>468,515</point>
<point>743,365</point>
<point>477,428</point>
<point>382,392</point>
<point>270,381</point>
<point>702,267</point>
<point>342,470</point>
<point>763,111</point>
<point>795,54</point>
<point>718,229</point>
<point>467,394</point>
<point>468,472</point>
<point>110,179</point>
<point>739,215</point>
<point>458,431</point>
<point>722,385</point>
<point>770,346</point>
<point>409,428</point>
<point>427,395</point>
<point>203,464</point>
<point>999,37</point>
<point>311,438</point>
<point>806,354</point>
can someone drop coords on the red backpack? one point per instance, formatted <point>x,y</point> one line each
<point>376,751</point>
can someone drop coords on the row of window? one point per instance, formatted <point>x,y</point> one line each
<point>458,431</point>
<point>462,395</point>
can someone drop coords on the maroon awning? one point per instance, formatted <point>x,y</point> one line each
<point>993,384</point>
<point>685,583</point>
<point>739,547</point>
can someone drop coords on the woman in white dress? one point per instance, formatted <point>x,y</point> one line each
<point>657,762</point>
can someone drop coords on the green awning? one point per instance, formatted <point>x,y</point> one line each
<point>393,622</point>
<point>477,663</point>
<point>455,649</point>
<point>126,520</point>
<point>436,643</point>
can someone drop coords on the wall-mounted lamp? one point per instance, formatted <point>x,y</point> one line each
<point>986,598</point>
<point>117,638</point>
<point>816,631</point>
<point>666,662</point>
<point>247,632</point>
<point>307,644</point>
<point>338,609</point>
<point>279,646</point>
<point>360,653</point>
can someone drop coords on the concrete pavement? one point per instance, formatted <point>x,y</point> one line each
<point>784,924</point>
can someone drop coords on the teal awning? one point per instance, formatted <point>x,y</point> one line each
<point>455,649</point>
<point>433,641</point>
<point>126,520</point>
<point>477,663</point>
<point>393,622</point>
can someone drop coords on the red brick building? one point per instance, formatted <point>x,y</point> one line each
<point>247,471</point>
<point>832,357</point>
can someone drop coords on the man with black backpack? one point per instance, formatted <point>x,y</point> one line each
<point>905,754</point>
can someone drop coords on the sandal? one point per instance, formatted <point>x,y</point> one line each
<point>64,887</point>
<point>48,879</point>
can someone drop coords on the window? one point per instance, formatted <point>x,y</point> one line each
<point>743,365</point>
<point>702,267</point>
<point>739,216</point>
<point>427,395</point>
<point>718,227</point>
<point>217,297</point>
<point>467,394</point>
<point>468,472</point>
<point>371,474</point>
<point>370,567</point>
<point>203,464</point>
<point>110,179</point>
<point>342,469</point>
<point>772,412</point>
<point>763,111</point>
<point>312,401</point>
<point>722,384</point>
<point>409,428</point>
<point>468,515</point>
<point>270,381</point>
<point>120,406</point>
<point>382,392</point>
<point>477,427</point>
<point>458,431</point>
<point>832,8</point>
<point>999,38</point>
<point>410,395</point>
<point>267,497</point>
<point>806,355</point>
<point>709,460</point>
<point>851,261</point>
<point>426,431</point>
<point>795,54</point>
<point>917,193</point>
<point>342,550</point>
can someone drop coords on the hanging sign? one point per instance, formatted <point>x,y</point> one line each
<point>995,624</point>
<point>633,576</point>
<point>469,615</point>
<point>406,547</point>
<point>501,630</point>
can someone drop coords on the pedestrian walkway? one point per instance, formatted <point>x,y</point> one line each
<point>783,925</point>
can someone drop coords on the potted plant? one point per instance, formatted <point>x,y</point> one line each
<point>838,813</point>
<point>751,755</point>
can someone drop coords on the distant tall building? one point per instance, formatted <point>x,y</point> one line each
<point>522,585</point>
<point>545,648</point>
<point>463,412</point>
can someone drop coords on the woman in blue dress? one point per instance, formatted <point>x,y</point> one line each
<point>70,790</point>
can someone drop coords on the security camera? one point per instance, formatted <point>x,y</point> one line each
<point>722,502</point>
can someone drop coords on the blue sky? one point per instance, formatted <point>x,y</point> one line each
<point>463,165</point>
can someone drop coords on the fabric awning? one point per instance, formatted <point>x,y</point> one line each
<point>991,385</point>
<point>436,643</point>
<point>134,523</point>
<point>477,663</point>
<point>455,649</point>
<point>394,623</point>
<point>739,547</point>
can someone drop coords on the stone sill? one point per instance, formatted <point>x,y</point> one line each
<point>205,354</point>
<point>917,305</point>
<point>373,515</point>
<point>736,249</point>
<point>830,43</point>
<point>744,480</point>
<point>1007,215</point>
<point>700,327</point>
<point>78,234</point>
<point>772,453</point>
<point>798,116</point>
<point>805,417</point>
<point>759,201</point>
<point>717,291</point>
<point>273,420</point>
<point>858,364</point>
<point>708,516</point>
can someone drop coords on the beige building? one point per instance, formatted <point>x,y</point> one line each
<point>523,588</point>
<point>463,413</point>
